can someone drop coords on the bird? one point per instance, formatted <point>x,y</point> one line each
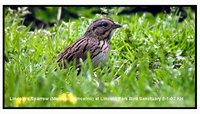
<point>95,41</point>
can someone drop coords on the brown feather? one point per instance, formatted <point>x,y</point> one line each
<point>96,40</point>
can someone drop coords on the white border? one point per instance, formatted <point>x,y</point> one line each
<point>99,2</point>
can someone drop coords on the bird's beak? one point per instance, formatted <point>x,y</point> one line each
<point>116,25</point>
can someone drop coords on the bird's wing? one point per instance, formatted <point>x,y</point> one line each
<point>76,51</point>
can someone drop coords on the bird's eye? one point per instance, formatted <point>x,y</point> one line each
<point>105,24</point>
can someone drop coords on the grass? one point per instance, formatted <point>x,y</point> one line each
<point>151,57</point>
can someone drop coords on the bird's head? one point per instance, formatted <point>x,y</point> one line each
<point>102,28</point>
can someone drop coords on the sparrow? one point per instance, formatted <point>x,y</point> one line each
<point>95,41</point>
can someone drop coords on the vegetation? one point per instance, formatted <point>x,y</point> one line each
<point>152,57</point>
